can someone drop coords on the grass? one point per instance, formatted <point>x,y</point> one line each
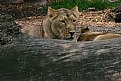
<point>84,4</point>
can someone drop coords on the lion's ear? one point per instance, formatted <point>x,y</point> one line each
<point>75,10</point>
<point>52,12</point>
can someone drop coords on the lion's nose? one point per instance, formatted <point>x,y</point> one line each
<point>71,32</point>
<point>70,35</point>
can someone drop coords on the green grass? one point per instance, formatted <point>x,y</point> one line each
<point>84,4</point>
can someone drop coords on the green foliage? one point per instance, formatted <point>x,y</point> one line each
<point>84,4</point>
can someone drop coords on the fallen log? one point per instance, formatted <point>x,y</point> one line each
<point>25,58</point>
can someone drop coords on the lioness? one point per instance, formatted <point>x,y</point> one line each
<point>86,35</point>
<point>60,23</point>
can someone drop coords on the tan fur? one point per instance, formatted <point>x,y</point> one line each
<point>95,36</point>
<point>36,31</point>
<point>90,36</point>
<point>58,23</point>
<point>107,36</point>
<point>33,30</point>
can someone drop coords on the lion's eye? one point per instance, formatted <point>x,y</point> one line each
<point>74,20</point>
<point>62,21</point>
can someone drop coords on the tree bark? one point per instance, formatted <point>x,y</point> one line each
<point>25,58</point>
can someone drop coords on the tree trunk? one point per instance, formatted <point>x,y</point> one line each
<point>25,58</point>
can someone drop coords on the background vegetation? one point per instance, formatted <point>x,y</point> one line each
<point>84,4</point>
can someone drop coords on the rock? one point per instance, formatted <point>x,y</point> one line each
<point>5,17</point>
<point>118,18</point>
<point>92,9</point>
<point>114,15</point>
<point>117,9</point>
<point>8,28</point>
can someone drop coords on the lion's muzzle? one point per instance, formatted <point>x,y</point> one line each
<point>70,34</point>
